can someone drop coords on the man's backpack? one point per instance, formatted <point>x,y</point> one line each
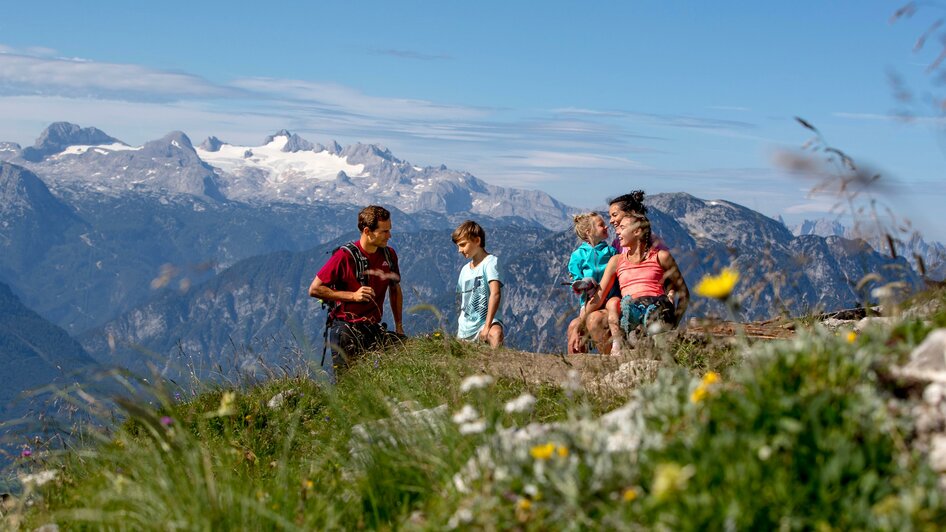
<point>361,274</point>
<point>361,262</point>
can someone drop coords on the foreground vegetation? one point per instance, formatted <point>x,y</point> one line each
<point>795,434</point>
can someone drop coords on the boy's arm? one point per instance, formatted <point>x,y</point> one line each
<point>676,282</point>
<point>492,308</point>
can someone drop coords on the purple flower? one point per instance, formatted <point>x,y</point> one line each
<point>26,453</point>
<point>166,421</point>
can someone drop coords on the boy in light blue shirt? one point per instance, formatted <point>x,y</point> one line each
<point>480,287</point>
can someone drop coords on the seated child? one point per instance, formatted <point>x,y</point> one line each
<point>643,272</point>
<point>479,286</point>
<point>586,266</point>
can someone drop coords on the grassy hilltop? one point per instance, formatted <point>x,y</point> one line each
<point>804,433</point>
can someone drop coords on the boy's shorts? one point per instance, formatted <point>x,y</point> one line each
<point>475,336</point>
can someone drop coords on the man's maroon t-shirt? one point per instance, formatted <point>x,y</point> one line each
<point>339,274</point>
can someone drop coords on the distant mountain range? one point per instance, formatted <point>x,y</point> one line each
<point>284,169</point>
<point>923,256</point>
<point>168,248</point>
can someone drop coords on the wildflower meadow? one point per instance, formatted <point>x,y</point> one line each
<point>802,433</point>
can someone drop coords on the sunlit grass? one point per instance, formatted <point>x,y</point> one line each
<point>794,433</point>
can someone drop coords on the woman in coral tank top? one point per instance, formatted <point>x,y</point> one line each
<point>645,274</point>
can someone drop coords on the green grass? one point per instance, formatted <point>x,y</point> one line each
<point>795,434</point>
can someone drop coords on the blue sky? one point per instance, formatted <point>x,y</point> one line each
<point>582,100</point>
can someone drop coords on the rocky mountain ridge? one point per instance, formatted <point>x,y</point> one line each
<point>286,168</point>
<point>923,256</point>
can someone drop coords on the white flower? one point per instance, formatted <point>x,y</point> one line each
<point>475,382</point>
<point>461,517</point>
<point>38,479</point>
<point>475,427</point>
<point>465,415</point>
<point>521,404</point>
<point>765,452</point>
<point>530,490</point>
<point>934,393</point>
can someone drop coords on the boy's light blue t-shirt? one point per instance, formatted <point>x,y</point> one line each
<point>473,287</point>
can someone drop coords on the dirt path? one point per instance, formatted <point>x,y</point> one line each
<point>594,370</point>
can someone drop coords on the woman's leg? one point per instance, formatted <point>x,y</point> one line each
<point>613,307</point>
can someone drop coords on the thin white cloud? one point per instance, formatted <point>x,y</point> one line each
<point>340,98</point>
<point>893,117</point>
<point>818,206</point>
<point>737,108</point>
<point>31,75</point>
<point>554,159</point>
<point>664,120</point>
<point>35,51</point>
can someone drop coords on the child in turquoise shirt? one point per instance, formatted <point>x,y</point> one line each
<point>586,266</point>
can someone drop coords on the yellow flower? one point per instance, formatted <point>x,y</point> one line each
<point>309,484</point>
<point>718,286</point>
<point>542,452</point>
<point>670,478</point>
<point>523,506</point>
<point>629,494</point>
<point>851,337</point>
<point>562,451</point>
<point>702,389</point>
<point>698,394</point>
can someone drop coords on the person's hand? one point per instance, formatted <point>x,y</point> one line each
<point>575,344</point>
<point>484,334</point>
<point>365,293</point>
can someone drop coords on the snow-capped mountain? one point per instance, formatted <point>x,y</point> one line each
<point>912,246</point>
<point>288,168</point>
<point>285,168</point>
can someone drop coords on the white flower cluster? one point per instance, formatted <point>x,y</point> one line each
<point>520,405</point>
<point>475,382</point>
<point>38,479</point>
<point>469,420</point>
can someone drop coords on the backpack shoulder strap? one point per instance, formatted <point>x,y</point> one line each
<point>361,262</point>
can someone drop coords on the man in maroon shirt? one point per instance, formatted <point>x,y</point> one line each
<point>356,279</point>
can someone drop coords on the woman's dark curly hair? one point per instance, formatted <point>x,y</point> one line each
<point>633,202</point>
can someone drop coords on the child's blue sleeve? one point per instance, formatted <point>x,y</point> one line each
<point>574,265</point>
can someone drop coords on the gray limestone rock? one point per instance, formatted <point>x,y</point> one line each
<point>297,143</point>
<point>931,354</point>
<point>211,144</point>
<point>60,135</point>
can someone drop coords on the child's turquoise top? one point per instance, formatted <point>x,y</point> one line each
<point>588,261</point>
